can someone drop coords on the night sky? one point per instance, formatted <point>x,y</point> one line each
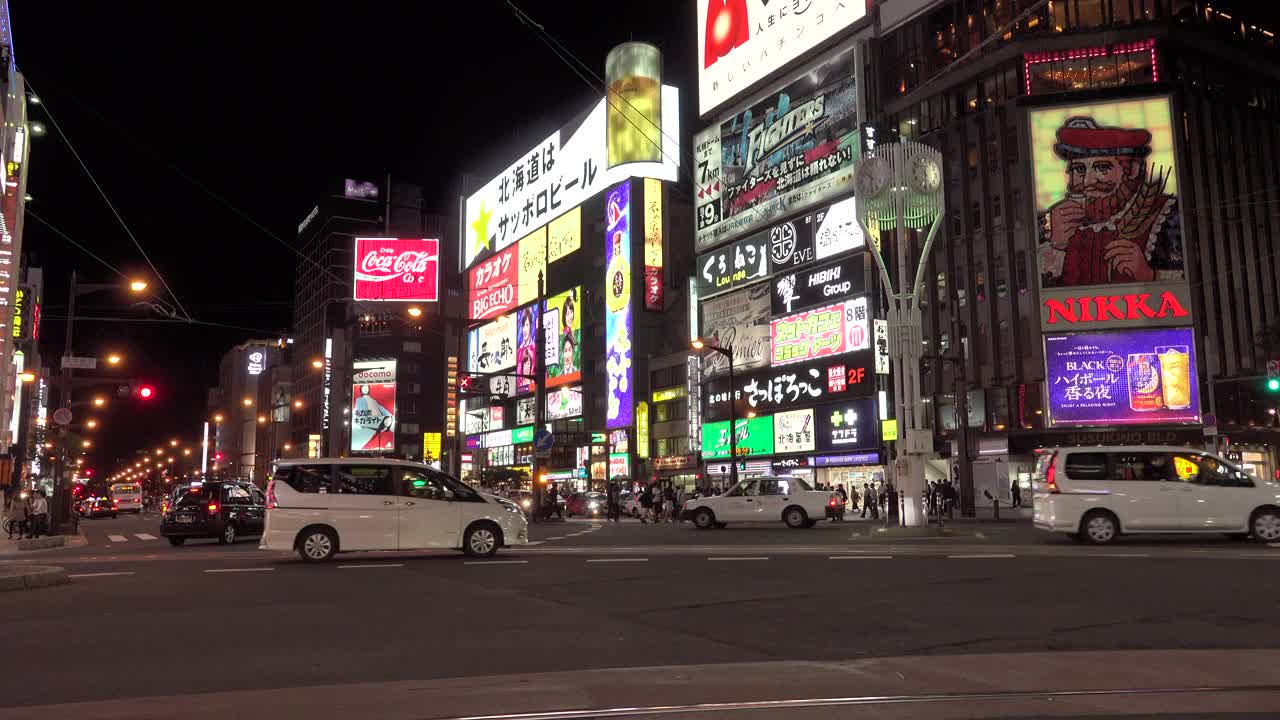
<point>262,104</point>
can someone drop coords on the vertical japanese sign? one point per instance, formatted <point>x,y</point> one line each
<point>619,410</point>
<point>880,329</point>
<point>373,406</point>
<point>653,285</point>
<point>563,344</point>
<point>404,269</point>
<point>642,429</point>
<point>451,397</point>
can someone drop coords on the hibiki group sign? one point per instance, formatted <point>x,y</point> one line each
<point>832,330</point>
<point>740,42</point>
<point>557,175</point>
<point>1122,378</point>
<point>405,269</point>
<point>789,151</point>
<point>373,406</point>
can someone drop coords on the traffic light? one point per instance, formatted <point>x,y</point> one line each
<point>1273,385</point>
<point>146,392</point>
<point>217,456</point>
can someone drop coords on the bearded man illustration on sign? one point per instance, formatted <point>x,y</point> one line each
<point>1116,224</point>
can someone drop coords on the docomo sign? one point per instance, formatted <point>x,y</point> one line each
<point>401,269</point>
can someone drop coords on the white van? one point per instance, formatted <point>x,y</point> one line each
<point>320,507</point>
<point>1097,493</point>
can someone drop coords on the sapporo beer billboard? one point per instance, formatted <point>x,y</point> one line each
<point>404,269</point>
<point>790,150</point>
<point>1110,251</point>
<point>373,406</point>
<point>1134,377</point>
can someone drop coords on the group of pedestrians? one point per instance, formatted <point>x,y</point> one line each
<point>26,517</point>
<point>660,503</point>
<point>940,497</point>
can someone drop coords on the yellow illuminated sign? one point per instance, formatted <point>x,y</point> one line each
<point>888,430</point>
<point>670,394</point>
<point>642,429</point>
<point>533,260</point>
<point>564,235</point>
<point>430,446</point>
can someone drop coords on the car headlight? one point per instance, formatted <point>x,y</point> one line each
<point>593,505</point>
<point>510,507</point>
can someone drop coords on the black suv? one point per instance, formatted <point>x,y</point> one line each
<point>221,509</point>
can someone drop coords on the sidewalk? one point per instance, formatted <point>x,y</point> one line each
<point>41,545</point>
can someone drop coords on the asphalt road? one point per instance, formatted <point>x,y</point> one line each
<point>142,618</point>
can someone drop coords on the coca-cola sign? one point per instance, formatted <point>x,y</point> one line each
<point>398,269</point>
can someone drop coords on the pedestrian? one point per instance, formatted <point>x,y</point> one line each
<point>16,515</point>
<point>646,503</point>
<point>842,497</point>
<point>866,499</point>
<point>874,499</point>
<point>669,504</point>
<point>1015,492</point>
<point>612,497</point>
<point>39,515</point>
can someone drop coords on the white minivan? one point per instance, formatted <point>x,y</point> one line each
<point>321,507</point>
<point>1097,493</point>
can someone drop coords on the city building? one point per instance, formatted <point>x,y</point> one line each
<point>793,374</point>
<point>1106,269</point>
<point>573,236</point>
<point>15,153</point>
<point>236,408</point>
<point>383,356</point>
<point>674,408</point>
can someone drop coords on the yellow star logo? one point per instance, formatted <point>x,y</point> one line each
<point>480,226</point>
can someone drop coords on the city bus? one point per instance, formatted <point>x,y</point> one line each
<point>127,496</point>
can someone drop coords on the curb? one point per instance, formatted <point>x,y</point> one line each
<point>35,576</point>
<point>42,543</point>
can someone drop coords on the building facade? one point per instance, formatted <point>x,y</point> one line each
<point>239,407</point>
<point>1106,269</point>
<point>15,153</point>
<point>573,238</point>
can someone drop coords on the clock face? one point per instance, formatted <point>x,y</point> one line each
<point>926,176</point>
<point>872,178</point>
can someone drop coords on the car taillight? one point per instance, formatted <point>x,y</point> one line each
<point>213,507</point>
<point>1049,478</point>
<point>271,494</point>
<point>832,501</point>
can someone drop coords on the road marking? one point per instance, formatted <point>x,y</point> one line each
<point>117,538</point>
<point>1274,545</point>
<point>495,562</point>
<point>534,542</point>
<point>1123,555</point>
<point>737,558</point>
<point>106,574</point>
<point>145,536</point>
<point>558,537</point>
<point>602,560</point>
<point>860,557</point>
<point>230,570</point>
<point>981,556</point>
<point>370,565</point>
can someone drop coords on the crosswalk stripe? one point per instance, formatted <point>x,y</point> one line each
<point>859,557</point>
<point>981,556</point>
<point>117,538</point>
<point>101,574</point>
<point>616,560</point>
<point>145,536</point>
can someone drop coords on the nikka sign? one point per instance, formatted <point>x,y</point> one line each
<point>1115,306</point>
<point>398,269</point>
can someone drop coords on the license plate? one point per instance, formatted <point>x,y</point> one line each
<point>184,518</point>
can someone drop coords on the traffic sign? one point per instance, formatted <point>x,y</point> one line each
<point>72,362</point>
<point>1273,368</point>
<point>543,440</point>
<point>62,416</point>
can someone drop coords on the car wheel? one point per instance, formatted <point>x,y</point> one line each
<point>795,517</point>
<point>1099,527</point>
<point>317,545</point>
<point>481,540</point>
<point>1265,525</point>
<point>228,535</point>
<point>704,519</point>
<point>177,542</point>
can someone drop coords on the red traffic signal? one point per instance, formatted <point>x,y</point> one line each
<point>217,456</point>
<point>146,392</point>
